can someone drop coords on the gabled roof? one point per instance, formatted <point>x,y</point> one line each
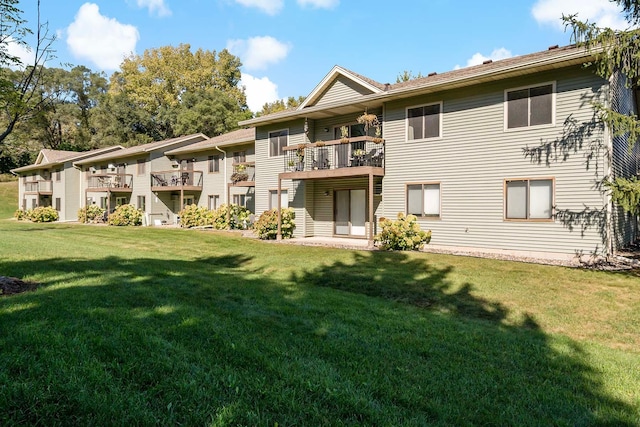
<point>336,72</point>
<point>48,158</point>
<point>240,136</point>
<point>553,58</point>
<point>145,148</point>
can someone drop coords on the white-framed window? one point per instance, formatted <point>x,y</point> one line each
<point>240,200</point>
<point>142,203</point>
<point>273,199</point>
<point>188,200</point>
<point>424,121</point>
<point>214,202</point>
<point>141,166</point>
<point>214,163</point>
<point>529,199</point>
<point>103,202</point>
<point>58,175</point>
<point>529,106</point>
<point>58,203</point>
<point>423,199</point>
<point>353,130</point>
<point>277,141</point>
<point>121,201</point>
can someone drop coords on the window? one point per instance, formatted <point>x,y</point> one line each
<point>188,201</point>
<point>214,163</point>
<point>531,106</point>
<point>142,203</point>
<point>424,200</point>
<point>529,199</point>
<point>33,203</point>
<point>273,199</point>
<point>121,201</point>
<point>214,202</point>
<point>353,131</point>
<point>277,141</point>
<point>424,121</point>
<point>103,202</point>
<point>58,204</point>
<point>58,174</point>
<point>239,157</point>
<point>240,200</point>
<point>141,167</point>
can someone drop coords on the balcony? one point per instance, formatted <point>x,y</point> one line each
<point>42,186</point>
<point>244,174</point>
<point>362,155</point>
<point>110,182</point>
<point>176,180</point>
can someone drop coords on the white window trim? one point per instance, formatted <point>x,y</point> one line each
<point>522,128</point>
<point>269,141</point>
<point>440,122</point>
<point>553,199</point>
<point>423,183</point>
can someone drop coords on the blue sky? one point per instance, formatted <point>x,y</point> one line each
<point>288,46</point>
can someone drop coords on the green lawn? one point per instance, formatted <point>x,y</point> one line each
<point>149,326</point>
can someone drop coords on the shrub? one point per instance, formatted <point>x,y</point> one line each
<point>403,234</point>
<point>21,215</point>
<point>195,216</point>
<point>44,214</point>
<point>125,215</point>
<point>91,214</point>
<point>239,217</point>
<point>267,225</point>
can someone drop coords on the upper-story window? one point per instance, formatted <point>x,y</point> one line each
<point>141,166</point>
<point>277,141</point>
<point>424,121</point>
<point>530,106</point>
<point>353,130</point>
<point>214,163</point>
<point>239,157</point>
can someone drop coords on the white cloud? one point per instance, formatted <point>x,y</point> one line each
<point>603,12</point>
<point>319,4</point>
<point>103,41</point>
<point>478,58</point>
<point>270,7</point>
<point>257,53</point>
<point>24,53</point>
<point>156,6</point>
<point>259,91</point>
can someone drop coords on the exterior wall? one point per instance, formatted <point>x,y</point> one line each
<point>342,88</point>
<point>475,154</point>
<point>625,161</point>
<point>268,168</point>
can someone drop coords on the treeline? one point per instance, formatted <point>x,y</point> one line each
<point>163,93</point>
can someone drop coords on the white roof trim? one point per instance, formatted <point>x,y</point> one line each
<point>329,78</point>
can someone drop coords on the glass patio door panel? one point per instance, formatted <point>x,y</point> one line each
<point>358,212</point>
<point>350,212</point>
<point>342,212</point>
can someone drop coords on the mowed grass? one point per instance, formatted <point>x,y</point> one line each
<point>149,326</point>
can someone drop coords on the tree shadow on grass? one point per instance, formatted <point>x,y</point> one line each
<point>373,339</point>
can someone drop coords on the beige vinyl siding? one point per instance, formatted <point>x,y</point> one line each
<point>268,168</point>
<point>342,88</point>
<point>475,155</point>
<point>625,162</point>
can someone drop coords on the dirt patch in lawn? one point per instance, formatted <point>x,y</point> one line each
<point>13,285</point>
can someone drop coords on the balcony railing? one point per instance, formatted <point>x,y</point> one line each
<point>356,152</point>
<point>243,174</point>
<point>41,186</point>
<point>110,182</point>
<point>176,179</point>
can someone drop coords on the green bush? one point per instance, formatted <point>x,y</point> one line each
<point>44,214</point>
<point>125,215</point>
<point>195,216</point>
<point>403,234</point>
<point>267,225</point>
<point>21,215</point>
<point>91,214</point>
<point>239,217</point>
